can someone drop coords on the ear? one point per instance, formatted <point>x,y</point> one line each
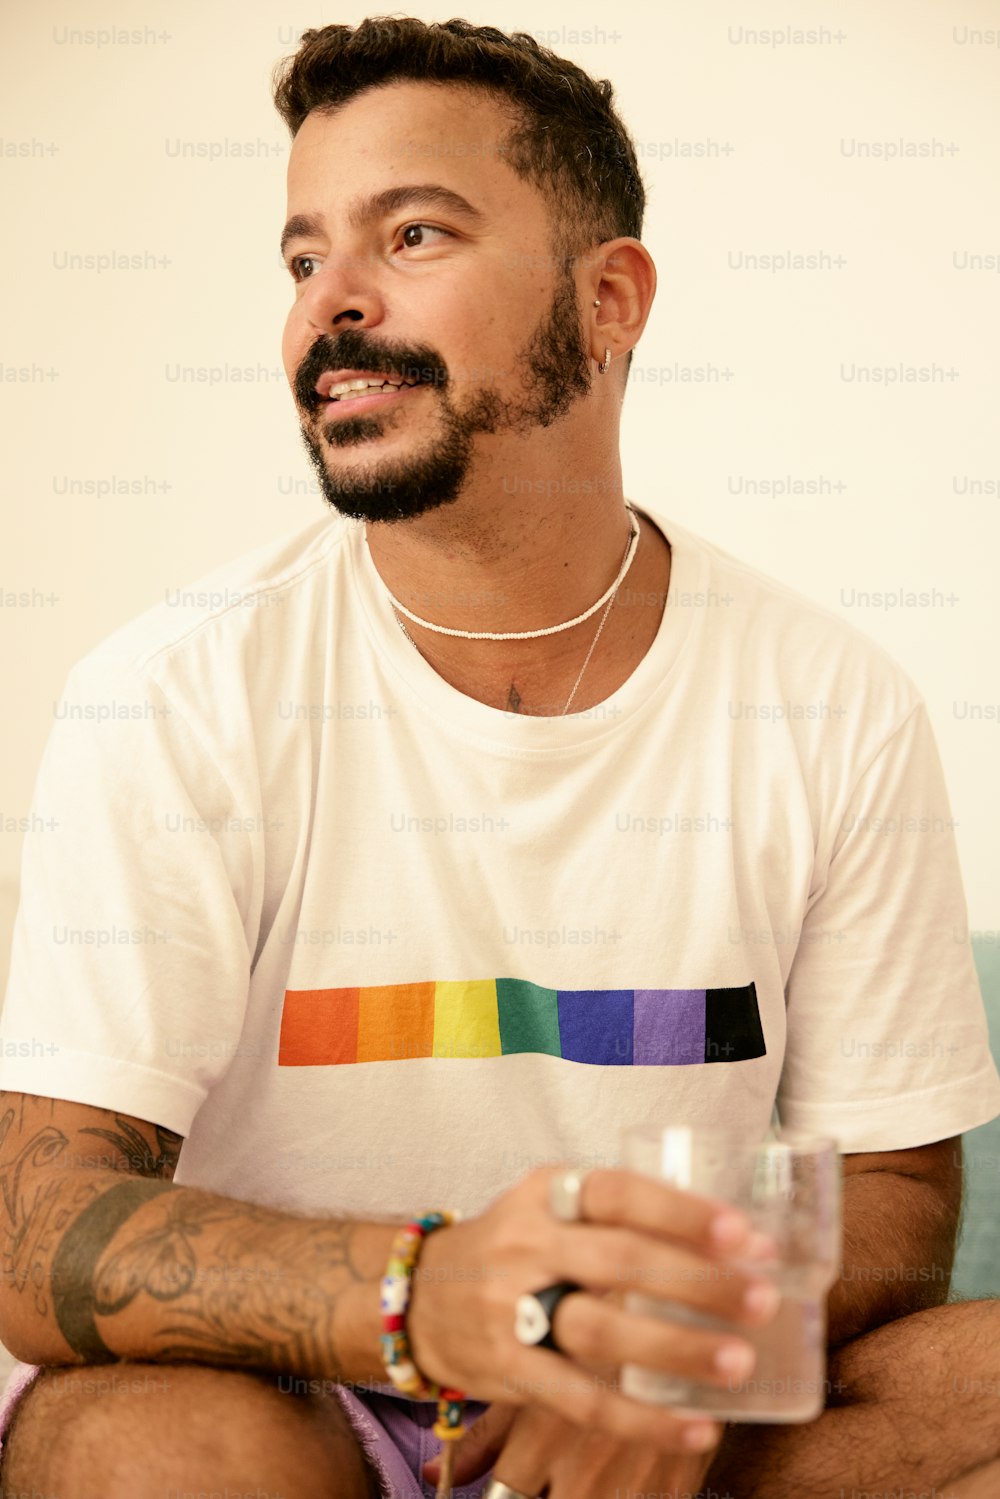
<point>624,279</point>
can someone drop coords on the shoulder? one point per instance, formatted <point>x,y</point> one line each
<point>252,601</point>
<point>772,634</point>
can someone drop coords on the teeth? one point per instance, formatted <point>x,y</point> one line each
<point>347,389</point>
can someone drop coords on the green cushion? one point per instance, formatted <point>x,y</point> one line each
<point>977,1262</point>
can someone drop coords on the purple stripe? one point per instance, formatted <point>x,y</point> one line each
<point>669,1027</point>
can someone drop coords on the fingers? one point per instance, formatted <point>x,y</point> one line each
<point>476,1453</point>
<point>631,1200</point>
<point>591,1401</point>
<point>594,1333</point>
<point>525,1464</point>
<point>617,1259</point>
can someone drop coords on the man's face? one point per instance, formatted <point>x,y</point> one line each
<point>471,306</point>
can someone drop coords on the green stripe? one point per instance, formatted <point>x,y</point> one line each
<point>529,1017</point>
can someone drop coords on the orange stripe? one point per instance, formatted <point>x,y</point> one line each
<point>318,1027</point>
<point>395,1021</point>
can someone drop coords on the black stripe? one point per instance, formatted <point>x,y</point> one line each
<point>732,1025</point>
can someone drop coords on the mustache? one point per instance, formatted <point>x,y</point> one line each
<point>349,350</point>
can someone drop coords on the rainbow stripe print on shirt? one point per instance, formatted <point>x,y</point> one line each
<point>502,1017</point>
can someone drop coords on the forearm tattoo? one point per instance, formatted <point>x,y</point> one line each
<point>223,1281</point>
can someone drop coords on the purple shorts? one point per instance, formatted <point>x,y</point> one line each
<point>395,1433</point>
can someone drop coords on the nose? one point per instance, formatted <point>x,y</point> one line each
<point>341,292</point>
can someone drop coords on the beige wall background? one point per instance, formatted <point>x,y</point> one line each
<point>150,434</point>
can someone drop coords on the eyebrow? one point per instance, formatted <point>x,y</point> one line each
<point>377,205</point>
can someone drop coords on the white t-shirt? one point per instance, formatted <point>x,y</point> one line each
<point>374,947</point>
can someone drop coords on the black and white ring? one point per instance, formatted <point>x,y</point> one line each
<point>535,1312</point>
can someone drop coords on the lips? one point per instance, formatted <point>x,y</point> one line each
<point>331,378</point>
<point>365,400</point>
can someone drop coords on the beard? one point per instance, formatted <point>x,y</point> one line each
<point>556,369</point>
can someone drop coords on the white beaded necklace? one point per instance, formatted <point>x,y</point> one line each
<point>607,598</point>
<point>533,634</point>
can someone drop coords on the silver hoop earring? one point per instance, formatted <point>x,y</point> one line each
<point>605,365</point>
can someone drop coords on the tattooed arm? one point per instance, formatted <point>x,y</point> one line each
<point>105,1258</point>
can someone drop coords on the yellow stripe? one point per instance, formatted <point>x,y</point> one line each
<point>466,1023</point>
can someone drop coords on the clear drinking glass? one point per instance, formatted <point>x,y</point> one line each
<point>789,1185</point>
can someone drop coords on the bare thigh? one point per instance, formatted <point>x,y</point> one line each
<point>913,1408</point>
<point>164,1431</point>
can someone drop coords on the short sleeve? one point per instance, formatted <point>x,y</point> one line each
<point>130,947</point>
<point>887,1041</point>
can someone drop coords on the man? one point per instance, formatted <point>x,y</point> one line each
<point>450,859</point>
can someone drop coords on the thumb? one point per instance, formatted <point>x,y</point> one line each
<point>479,1446</point>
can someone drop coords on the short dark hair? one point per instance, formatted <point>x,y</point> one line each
<point>566,136</point>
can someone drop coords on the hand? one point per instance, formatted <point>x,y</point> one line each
<point>636,1231</point>
<point>535,1452</point>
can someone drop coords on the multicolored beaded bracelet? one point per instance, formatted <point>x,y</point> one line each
<point>396,1286</point>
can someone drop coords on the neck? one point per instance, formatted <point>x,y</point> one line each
<point>543,565</point>
<point>606,600</point>
<point>531,567</point>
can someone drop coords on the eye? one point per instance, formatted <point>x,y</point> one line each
<point>409,228</point>
<point>295,262</point>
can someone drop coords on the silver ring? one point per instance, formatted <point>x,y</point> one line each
<point>495,1489</point>
<point>564,1195</point>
